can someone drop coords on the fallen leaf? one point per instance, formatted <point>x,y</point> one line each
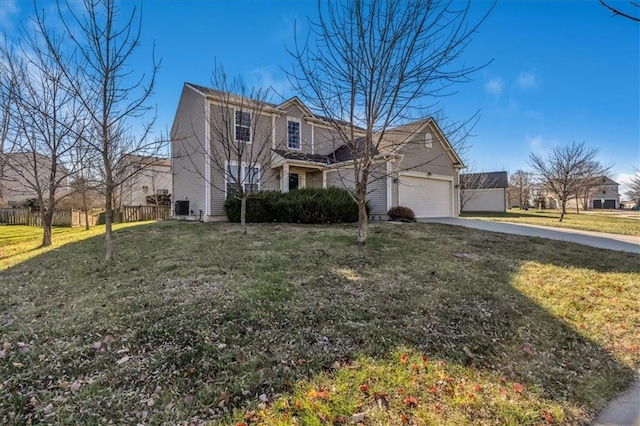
<point>150,402</point>
<point>189,399</point>
<point>411,402</point>
<point>48,409</point>
<point>75,385</point>
<point>3,353</point>
<point>63,385</point>
<point>364,388</point>
<point>97,345</point>
<point>18,364</point>
<point>518,388</point>
<point>122,360</point>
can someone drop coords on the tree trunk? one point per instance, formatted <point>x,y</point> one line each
<point>108,227</point>
<point>362,218</point>
<point>563,211</point>
<point>47,218</point>
<point>243,214</point>
<point>86,211</point>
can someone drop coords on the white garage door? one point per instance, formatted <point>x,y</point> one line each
<point>426,197</point>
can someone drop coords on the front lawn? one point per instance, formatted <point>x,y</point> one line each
<point>618,222</point>
<point>430,324</point>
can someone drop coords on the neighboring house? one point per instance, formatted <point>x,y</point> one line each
<point>23,172</point>
<point>602,195</point>
<point>149,176</point>
<point>420,172</point>
<point>484,192</point>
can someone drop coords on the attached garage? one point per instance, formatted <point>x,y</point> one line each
<point>608,204</point>
<point>427,197</point>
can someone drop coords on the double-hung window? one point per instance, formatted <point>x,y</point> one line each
<point>293,134</point>
<point>243,126</point>
<point>248,177</point>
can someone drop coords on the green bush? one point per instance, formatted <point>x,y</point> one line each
<point>401,213</point>
<point>308,205</point>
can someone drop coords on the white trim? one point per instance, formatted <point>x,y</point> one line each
<point>313,139</point>
<point>324,178</point>
<point>207,159</point>
<point>295,120</point>
<point>427,175</point>
<point>389,183</point>
<point>273,131</point>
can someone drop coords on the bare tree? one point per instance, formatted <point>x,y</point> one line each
<point>241,144</point>
<point>8,85</point>
<point>617,11</point>
<point>42,121</point>
<point>520,187</point>
<point>634,187</point>
<point>563,171</point>
<point>470,183</point>
<point>369,66</point>
<point>105,41</point>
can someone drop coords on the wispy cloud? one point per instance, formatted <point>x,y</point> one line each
<point>271,78</point>
<point>8,9</point>
<point>495,86</point>
<point>624,180</point>
<point>527,81</point>
<point>539,144</point>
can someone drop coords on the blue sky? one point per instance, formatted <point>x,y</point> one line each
<point>561,71</point>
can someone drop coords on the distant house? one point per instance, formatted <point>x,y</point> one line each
<point>420,172</point>
<point>603,195</point>
<point>599,193</point>
<point>484,192</point>
<point>24,174</point>
<point>150,180</point>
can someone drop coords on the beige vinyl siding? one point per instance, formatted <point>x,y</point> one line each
<point>377,191</point>
<point>314,179</point>
<point>342,178</point>
<point>419,158</point>
<point>257,152</point>
<point>187,152</point>
<point>293,111</point>
<point>485,200</point>
<point>326,140</point>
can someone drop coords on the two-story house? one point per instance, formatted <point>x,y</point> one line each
<point>416,166</point>
<point>149,177</point>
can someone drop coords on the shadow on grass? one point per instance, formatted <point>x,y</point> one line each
<point>197,318</point>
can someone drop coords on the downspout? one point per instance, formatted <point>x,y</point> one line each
<point>207,160</point>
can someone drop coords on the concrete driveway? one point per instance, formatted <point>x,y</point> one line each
<point>625,409</point>
<point>594,239</point>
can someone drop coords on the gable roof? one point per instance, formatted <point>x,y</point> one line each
<point>403,133</point>
<point>490,180</point>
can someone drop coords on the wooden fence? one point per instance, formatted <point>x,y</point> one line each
<point>32,217</point>
<point>77,217</point>
<point>140,213</point>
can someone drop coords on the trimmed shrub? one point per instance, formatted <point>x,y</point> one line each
<point>401,213</point>
<point>307,205</point>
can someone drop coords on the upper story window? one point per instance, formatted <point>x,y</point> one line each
<point>243,126</point>
<point>293,134</point>
<point>428,140</point>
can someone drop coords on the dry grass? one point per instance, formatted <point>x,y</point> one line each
<point>195,322</point>
<point>618,222</point>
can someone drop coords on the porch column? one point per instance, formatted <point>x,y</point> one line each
<point>284,182</point>
<point>324,178</point>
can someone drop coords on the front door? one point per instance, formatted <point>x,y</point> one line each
<point>294,179</point>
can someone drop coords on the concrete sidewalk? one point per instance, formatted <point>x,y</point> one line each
<point>594,239</point>
<point>625,409</point>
